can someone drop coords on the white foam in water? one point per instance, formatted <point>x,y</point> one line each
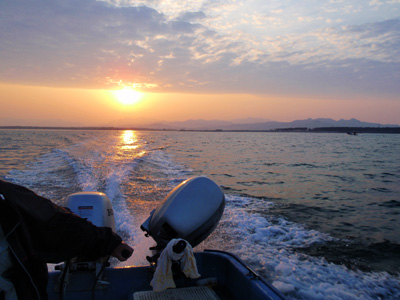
<point>123,218</point>
<point>42,168</point>
<point>85,163</point>
<point>170,168</point>
<point>267,244</point>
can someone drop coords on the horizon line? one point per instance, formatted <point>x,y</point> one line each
<point>328,129</point>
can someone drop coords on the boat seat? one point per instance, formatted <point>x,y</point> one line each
<point>190,293</point>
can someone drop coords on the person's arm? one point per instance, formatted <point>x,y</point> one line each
<point>57,234</point>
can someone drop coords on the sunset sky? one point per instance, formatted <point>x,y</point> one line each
<point>63,63</point>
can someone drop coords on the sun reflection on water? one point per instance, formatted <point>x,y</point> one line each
<point>129,140</point>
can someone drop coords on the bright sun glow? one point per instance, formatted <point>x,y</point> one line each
<point>127,96</point>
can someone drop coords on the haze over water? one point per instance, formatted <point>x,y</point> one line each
<point>315,214</point>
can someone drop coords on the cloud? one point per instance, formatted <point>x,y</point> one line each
<point>375,2</point>
<point>195,46</point>
<point>80,43</point>
<point>192,16</point>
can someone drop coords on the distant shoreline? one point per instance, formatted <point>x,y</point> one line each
<point>395,130</point>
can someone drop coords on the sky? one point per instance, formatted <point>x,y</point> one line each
<point>64,63</point>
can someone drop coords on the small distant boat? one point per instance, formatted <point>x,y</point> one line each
<point>352,133</point>
<point>190,212</point>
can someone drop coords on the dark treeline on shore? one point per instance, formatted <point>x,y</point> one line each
<point>344,129</point>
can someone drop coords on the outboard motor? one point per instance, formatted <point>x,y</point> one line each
<point>93,206</point>
<point>191,211</point>
<point>96,207</point>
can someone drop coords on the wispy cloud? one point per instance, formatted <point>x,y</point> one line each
<point>203,46</point>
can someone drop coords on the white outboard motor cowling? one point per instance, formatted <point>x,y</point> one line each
<point>96,207</point>
<point>191,211</point>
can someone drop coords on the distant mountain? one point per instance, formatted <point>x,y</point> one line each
<point>254,124</point>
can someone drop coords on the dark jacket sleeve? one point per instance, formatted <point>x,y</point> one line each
<point>67,235</point>
<point>56,234</point>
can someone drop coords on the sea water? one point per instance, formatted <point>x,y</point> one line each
<point>317,215</point>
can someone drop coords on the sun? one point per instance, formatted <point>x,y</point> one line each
<point>127,96</point>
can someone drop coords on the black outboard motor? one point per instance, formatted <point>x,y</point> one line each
<point>191,211</point>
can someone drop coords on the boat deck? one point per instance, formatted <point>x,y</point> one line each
<point>223,277</point>
<point>190,293</point>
